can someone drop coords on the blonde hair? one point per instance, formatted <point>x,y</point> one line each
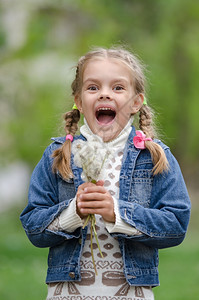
<point>62,156</point>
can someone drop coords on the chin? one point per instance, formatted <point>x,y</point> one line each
<point>107,136</point>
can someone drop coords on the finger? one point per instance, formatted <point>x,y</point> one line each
<point>93,211</point>
<point>91,204</point>
<point>95,204</point>
<point>93,197</point>
<point>100,183</point>
<point>95,189</point>
<point>107,215</point>
<point>84,185</point>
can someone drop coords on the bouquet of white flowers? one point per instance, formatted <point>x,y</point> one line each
<point>91,157</point>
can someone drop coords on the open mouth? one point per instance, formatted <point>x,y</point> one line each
<point>105,115</point>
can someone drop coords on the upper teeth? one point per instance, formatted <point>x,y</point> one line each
<point>104,108</point>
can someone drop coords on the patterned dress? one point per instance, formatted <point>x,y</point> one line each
<point>110,282</point>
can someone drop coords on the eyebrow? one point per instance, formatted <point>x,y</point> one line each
<point>119,79</point>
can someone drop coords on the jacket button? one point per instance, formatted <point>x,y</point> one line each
<point>72,275</point>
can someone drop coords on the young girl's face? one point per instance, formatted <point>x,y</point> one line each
<point>107,98</point>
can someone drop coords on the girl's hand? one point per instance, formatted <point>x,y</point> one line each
<point>95,199</point>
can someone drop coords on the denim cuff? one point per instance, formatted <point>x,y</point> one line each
<point>120,226</point>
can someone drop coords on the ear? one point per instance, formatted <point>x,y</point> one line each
<point>78,102</point>
<point>137,104</point>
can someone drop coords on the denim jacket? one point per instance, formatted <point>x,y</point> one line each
<point>158,206</point>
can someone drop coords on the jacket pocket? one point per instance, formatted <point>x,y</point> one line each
<point>140,256</point>
<point>141,186</point>
<point>66,189</point>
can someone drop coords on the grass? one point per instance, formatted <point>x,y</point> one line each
<point>179,271</point>
<point>23,266</point>
<point>179,266</point>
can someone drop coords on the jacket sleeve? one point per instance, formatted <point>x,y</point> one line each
<point>44,205</point>
<point>164,223</point>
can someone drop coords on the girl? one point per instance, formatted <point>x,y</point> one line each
<point>141,205</point>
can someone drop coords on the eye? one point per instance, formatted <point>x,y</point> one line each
<point>118,88</point>
<point>92,88</point>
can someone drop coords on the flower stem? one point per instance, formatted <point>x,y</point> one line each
<point>92,220</point>
<point>92,254</point>
<point>86,222</point>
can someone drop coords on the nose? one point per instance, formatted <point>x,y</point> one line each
<point>105,95</point>
<point>102,97</point>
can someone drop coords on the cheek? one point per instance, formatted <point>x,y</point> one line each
<point>87,110</point>
<point>127,109</point>
<point>88,102</point>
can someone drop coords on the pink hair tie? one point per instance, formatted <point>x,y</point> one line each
<point>69,137</point>
<point>139,140</point>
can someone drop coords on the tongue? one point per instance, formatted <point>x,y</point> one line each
<point>105,119</point>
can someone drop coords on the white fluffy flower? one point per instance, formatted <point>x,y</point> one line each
<point>91,157</point>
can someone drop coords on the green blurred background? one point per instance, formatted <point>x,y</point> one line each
<point>40,42</point>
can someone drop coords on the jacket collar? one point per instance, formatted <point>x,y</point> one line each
<point>61,140</point>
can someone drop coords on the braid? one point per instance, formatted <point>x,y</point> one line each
<point>157,153</point>
<point>71,121</point>
<point>146,121</point>
<point>62,155</point>
<point>75,83</point>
